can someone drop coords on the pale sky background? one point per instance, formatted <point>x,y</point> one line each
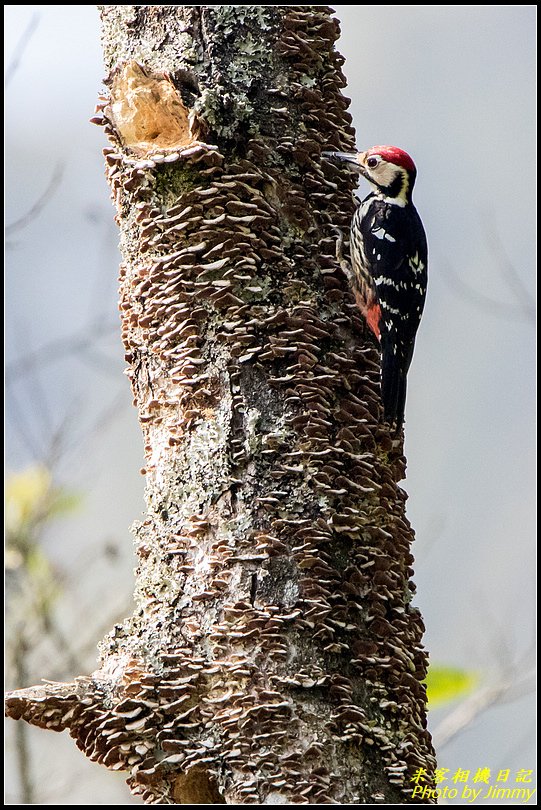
<point>454,86</point>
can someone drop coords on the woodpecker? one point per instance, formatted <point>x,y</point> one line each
<point>389,261</point>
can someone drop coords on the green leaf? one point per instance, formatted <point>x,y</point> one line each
<point>44,583</point>
<point>31,499</point>
<point>445,684</point>
<point>26,495</point>
<point>63,502</point>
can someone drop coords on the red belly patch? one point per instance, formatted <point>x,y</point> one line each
<point>373,317</point>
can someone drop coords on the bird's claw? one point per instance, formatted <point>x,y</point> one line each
<point>344,264</point>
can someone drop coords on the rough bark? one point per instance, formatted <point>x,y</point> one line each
<point>274,656</point>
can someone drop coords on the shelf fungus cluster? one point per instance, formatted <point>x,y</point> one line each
<point>275,656</point>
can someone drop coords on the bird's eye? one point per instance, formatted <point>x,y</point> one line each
<point>372,162</point>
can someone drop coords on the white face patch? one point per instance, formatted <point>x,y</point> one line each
<point>385,174</point>
<point>389,237</point>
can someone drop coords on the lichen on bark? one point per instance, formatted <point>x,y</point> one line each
<point>275,655</point>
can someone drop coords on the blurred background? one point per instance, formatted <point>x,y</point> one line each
<point>454,86</point>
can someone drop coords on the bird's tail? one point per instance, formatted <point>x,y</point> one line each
<point>394,374</point>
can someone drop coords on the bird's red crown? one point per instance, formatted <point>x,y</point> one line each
<point>392,154</point>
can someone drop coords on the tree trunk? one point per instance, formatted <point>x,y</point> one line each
<point>274,656</point>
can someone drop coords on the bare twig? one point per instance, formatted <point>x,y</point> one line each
<point>523,307</point>
<point>20,48</point>
<point>21,736</point>
<point>75,343</point>
<point>104,419</point>
<point>470,708</point>
<point>510,310</point>
<point>23,427</point>
<point>515,682</point>
<point>508,270</point>
<point>40,203</point>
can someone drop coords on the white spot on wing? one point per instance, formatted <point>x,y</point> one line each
<point>416,264</point>
<point>389,308</point>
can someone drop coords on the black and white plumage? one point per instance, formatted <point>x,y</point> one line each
<point>389,260</point>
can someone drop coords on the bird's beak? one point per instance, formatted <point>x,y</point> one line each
<point>345,157</point>
<point>355,159</point>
